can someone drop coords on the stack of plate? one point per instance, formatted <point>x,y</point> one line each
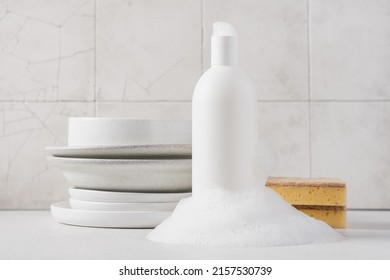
<point>126,173</point>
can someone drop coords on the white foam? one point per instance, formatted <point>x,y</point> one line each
<point>257,217</point>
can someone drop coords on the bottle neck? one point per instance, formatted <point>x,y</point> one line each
<point>224,50</point>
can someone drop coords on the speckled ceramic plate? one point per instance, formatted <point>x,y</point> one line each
<point>96,131</point>
<point>166,175</point>
<point>124,152</point>
<point>125,197</point>
<point>113,206</point>
<point>64,214</point>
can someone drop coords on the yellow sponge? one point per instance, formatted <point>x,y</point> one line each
<point>320,198</point>
<point>332,215</point>
<point>310,191</point>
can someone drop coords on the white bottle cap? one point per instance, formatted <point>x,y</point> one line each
<point>224,44</point>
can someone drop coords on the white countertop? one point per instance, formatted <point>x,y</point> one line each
<point>36,235</point>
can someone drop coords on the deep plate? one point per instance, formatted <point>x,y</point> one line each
<point>124,152</point>
<point>124,131</point>
<point>112,206</point>
<point>62,212</point>
<point>125,197</point>
<point>127,175</point>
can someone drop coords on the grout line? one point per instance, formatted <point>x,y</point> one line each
<point>310,140</point>
<point>144,101</point>
<point>48,209</point>
<point>369,209</point>
<point>201,36</point>
<point>95,58</point>
<point>309,89</point>
<point>134,101</point>
<point>178,101</point>
<point>46,101</point>
<point>350,100</point>
<point>23,209</point>
<point>59,62</point>
<point>281,101</point>
<point>308,51</point>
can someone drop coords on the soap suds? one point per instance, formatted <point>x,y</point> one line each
<point>258,217</point>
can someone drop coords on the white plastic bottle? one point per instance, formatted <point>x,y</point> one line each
<point>224,109</point>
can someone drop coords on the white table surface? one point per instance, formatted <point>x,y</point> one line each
<point>36,235</point>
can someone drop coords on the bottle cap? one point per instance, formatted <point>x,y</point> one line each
<point>224,44</point>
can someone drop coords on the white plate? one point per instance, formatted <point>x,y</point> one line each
<point>123,152</point>
<point>62,212</point>
<point>112,206</point>
<point>125,197</point>
<point>124,131</point>
<point>126,174</point>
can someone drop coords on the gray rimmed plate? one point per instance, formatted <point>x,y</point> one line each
<point>124,152</point>
<point>136,175</point>
<point>125,197</point>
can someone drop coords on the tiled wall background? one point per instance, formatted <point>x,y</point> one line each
<point>321,68</point>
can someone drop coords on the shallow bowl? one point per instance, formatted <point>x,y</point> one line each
<point>167,175</point>
<point>89,132</point>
